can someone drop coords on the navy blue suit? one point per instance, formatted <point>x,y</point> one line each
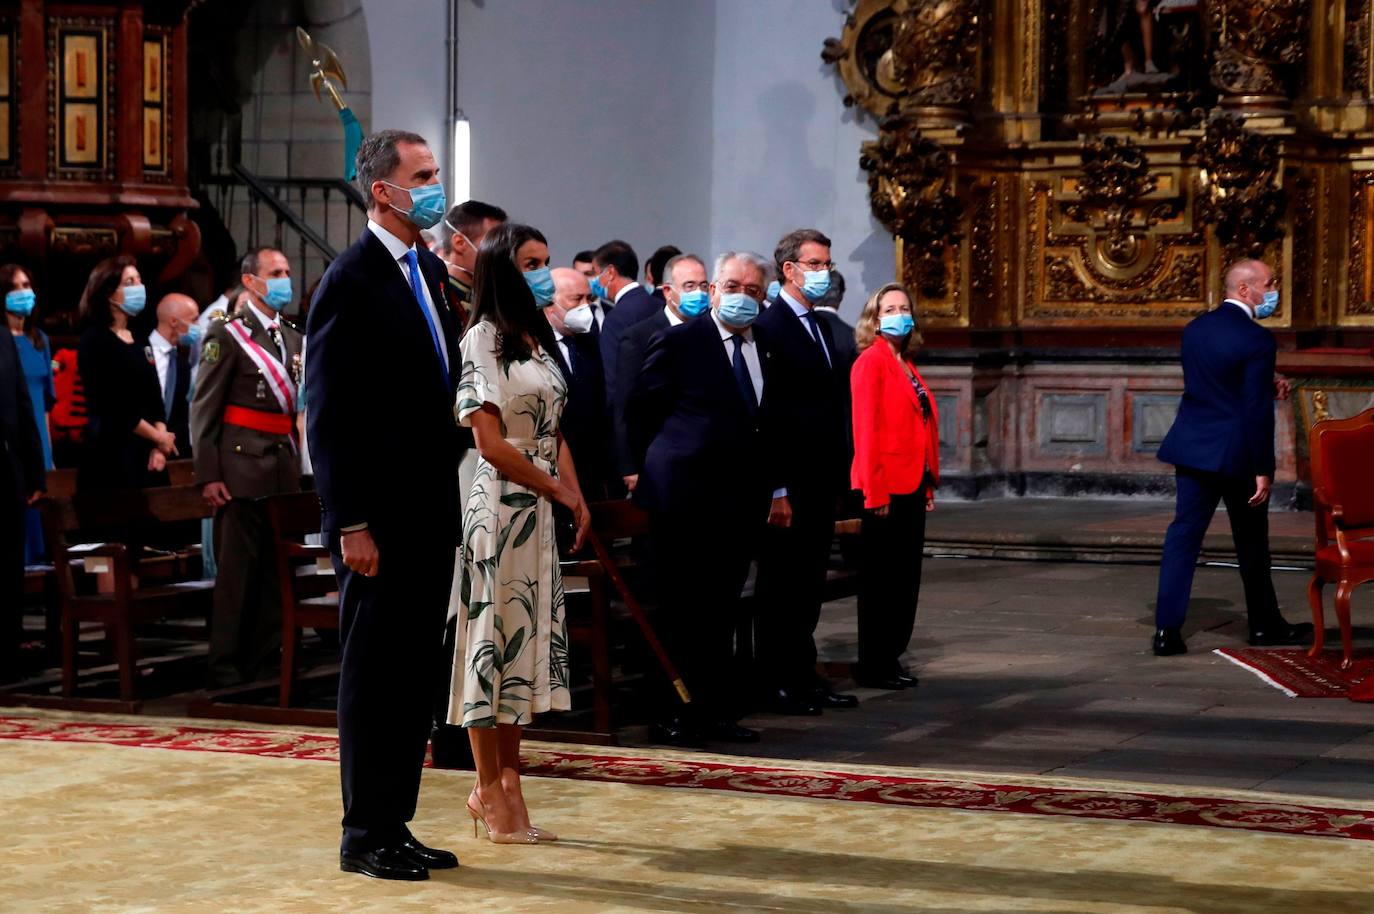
<point>706,480</point>
<point>633,307</point>
<point>586,424</point>
<point>1221,440</point>
<point>374,382</point>
<point>634,345</point>
<point>811,404</point>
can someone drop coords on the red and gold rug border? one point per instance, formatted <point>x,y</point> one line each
<point>917,792</point>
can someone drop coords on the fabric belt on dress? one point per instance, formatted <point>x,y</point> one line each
<point>258,420</point>
<point>546,448</point>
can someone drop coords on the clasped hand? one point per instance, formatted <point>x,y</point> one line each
<point>582,517</point>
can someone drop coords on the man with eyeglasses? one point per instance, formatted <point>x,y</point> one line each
<point>616,266</point>
<point>699,422</point>
<point>810,387</point>
<point>686,295</point>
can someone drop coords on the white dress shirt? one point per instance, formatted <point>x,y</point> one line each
<point>397,249</point>
<point>801,311</point>
<point>163,354</point>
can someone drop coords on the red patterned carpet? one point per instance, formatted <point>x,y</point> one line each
<point>1295,674</point>
<point>1249,815</point>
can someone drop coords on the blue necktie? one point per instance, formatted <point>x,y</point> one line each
<point>574,358</point>
<point>414,262</point>
<point>746,383</point>
<point>169,389</point>
<point>810,318</point>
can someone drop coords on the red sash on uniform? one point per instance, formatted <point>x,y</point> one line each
<point>270,366</point>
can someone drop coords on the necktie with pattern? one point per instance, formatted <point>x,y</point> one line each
<point>742,378</point>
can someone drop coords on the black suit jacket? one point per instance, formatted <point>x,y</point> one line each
<point>634,344</point>
<point>636,305</point>
<point>586,425</point>
<point>700,447</point>
<point>179,422</point>
<point>809,402</point>
<point>379,409</point>
<point>842,332</point>
<point>19,439</point>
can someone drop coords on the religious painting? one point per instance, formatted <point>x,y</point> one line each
<point>80,134</point>
<point>152,70</point>
<point>152,138</point>
<point>81,65</point>
<point>81,83</point>
<point>155,97</point>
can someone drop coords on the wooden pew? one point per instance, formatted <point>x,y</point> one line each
<point>118,519</point>
<point>309,594</point>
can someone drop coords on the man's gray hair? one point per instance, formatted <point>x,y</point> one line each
<point>378,158</point>
<point>755,260</point>
<point>674,261</point>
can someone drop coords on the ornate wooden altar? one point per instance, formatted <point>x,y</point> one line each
<point>1066,180</point>
<point>93,141</point>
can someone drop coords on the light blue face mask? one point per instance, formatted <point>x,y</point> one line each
<point>20,302</point>
<point>1269,305</point>
<point>540,282</point>
<point>135,298</point>
<point>815,283</point>
<point>427,204</point>
<point>599,290</point>
<point>279,293</point>
<point>690,304</point>
<point>737,309</point>
<point>192,335</point>
<point>774,290</point>
<point>898,325</point>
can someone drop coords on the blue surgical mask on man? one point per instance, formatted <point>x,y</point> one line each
<point>737,309</point>
<point>598,289</point>
<point>896,325</point>
<point>135,298</point>
<point>540,282</point>
<point>774,290</point>
<point>279,292</point>
<point>690,304</point>
<point>815,283</point>
<point>1268,305</point>
<point>427,204</point>
<point>192,335</point>
<point>20,302</point>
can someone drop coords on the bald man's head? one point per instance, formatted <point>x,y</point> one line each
<point>570,290</point>
<point>176,312</point>
<point>1247,281</point>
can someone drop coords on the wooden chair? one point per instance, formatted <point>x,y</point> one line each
<point>136,598</point>
<point>309,595</point>
<point>1342,453</point>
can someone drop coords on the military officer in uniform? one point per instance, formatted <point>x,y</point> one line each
<point>243,423</point>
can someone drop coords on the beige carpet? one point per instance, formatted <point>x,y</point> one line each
<point>92,827</point>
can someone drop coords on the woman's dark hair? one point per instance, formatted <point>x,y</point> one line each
<point>100,288</point>
<point>504,298</point>
<point>7,273</point>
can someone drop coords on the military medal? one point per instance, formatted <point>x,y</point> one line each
<point>296,368</point>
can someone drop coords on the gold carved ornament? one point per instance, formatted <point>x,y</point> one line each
<point>1259,43</point>
<point>1238,170</point>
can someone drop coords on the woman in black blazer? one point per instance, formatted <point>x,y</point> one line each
<point>126,441</point>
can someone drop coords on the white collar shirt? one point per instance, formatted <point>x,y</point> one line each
<point>163,354</point>
<point>621,294</point>
<point>673,319</point>
<point>397,249</point>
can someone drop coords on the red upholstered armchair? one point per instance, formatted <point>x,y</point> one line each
<point>1342,452</point>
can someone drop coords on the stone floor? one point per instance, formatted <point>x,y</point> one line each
<point>1044,668</point>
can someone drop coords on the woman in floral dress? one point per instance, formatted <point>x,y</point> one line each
<point>512,646</point>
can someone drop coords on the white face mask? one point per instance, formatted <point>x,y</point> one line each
<point>579,320</point>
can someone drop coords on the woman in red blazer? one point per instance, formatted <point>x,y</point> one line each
<point>896,467</point>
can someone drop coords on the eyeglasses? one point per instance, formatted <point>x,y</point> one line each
<point>730,287</point>
<point>814,265</point>
<point>692,286</point>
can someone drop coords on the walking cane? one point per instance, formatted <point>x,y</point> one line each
<point>637,612</point>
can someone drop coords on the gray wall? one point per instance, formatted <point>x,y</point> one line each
<point>710,124</point>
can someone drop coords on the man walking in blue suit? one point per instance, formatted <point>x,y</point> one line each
<point>1222,449</point>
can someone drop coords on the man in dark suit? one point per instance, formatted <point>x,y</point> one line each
<point>616,267</point>
<point>841,331</point>
<point>1222,449</point>
<point>22,481</point>
<point>654,268</point>
<point>811,391</point>
<point>686,295</point>
<point>698,416</point>
<point>382,361</point>
<point>585,424</point>
<point>173,342</point>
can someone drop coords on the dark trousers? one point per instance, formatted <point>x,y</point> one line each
<point>11,576</point>
<point>245,624</point>
<point>1198,494</point>
<point>790,588</point>
<point>701,562</point>
<point>890,554</point>
<point>391,629</point>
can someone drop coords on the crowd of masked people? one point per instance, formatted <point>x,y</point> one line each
<point>725,396</point>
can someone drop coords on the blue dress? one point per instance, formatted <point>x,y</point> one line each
<point>37,365</point>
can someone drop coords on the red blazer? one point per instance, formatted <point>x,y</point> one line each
<point>892,441</point>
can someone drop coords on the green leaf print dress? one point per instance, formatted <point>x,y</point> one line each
<point>512,648</point>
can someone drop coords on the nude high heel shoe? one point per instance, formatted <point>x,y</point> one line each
<point>479,814</point>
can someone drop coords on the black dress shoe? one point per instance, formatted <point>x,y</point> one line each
<point>1282,632</point>
<point>430,858</point>
<point>1168,642</point>
<point>824,697</point>
<point>891,682</point>
<point>676,732</point>
<point>384,863</point>
<point>907,679</point>
<point>727,731</point>
<point>787,701</point>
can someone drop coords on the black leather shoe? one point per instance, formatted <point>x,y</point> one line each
<point>1168,642</point>
<point>824,697</point>
<point>676,732</point>
<point>431,858</point>
<point>384,863</point>
<point>727,731</point>
<point>891,682</point>
<point>787,701</point>
<point>907,679</point>
<point>1282,632</point>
